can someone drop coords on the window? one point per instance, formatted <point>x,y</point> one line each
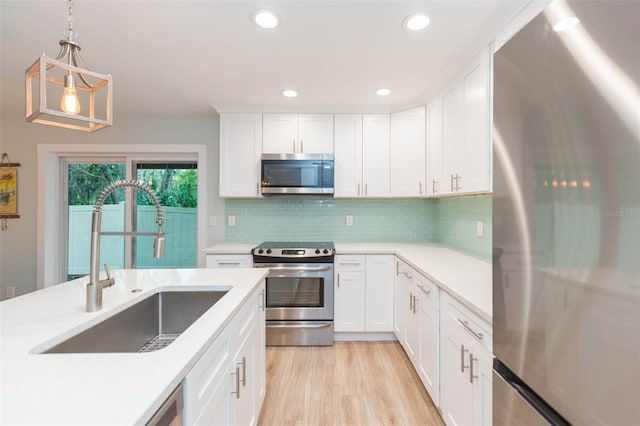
<point>175,184</point>
<point>69,180</point>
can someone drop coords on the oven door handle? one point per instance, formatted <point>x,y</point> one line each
<point>296,269</point>
<point>319,325</point>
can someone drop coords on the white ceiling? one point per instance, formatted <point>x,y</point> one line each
<point>183,57</point>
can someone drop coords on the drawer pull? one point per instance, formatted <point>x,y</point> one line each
<point>228,263</point>
<point>350,263</point>
<point>426,290</point>
<point>465,323</point>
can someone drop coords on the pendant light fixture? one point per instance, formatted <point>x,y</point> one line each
<point>63,92</point>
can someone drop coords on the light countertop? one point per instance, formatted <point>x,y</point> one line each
<point>104,388</point>
<point>465,277</point>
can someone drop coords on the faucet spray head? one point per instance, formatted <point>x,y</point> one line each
<point>158,247</point>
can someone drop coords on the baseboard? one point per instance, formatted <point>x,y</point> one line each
<point>364,336</point>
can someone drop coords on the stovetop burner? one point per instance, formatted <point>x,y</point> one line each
<point>294,250</point>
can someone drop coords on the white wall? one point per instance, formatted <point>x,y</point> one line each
<point>20,140</point>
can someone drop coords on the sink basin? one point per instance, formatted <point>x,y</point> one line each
<point>149,325</point>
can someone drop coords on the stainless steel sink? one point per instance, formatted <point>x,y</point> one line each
<point>149,325</point>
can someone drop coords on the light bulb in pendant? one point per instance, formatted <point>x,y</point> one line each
<point>70,103</point>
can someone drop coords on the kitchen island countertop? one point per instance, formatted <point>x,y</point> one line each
<point>104,388</point>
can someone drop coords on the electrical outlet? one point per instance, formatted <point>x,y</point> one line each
<point>349,220</point>
<point>232,221</point>
<point>480,228</point>
<point>213,221</point>
<point>10,292</point>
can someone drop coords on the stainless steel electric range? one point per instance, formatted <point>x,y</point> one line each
<point>299,292</point>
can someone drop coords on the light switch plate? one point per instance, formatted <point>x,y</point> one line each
<point>232,221</point>
<point>349,220</point>
<point>480,228</point>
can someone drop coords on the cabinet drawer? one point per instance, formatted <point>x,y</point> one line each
<point>469,324</point>
<point>229,261</point>
<point>206,375</point>
<point>246,318</point>
<point>428,290</point>
<point>349,263</point>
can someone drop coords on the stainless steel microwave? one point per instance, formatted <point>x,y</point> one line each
<point>297,174</point>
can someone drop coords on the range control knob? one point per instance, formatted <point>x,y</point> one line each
<point>317,251</point>
<point>260,251</point>
<point>325,251</point>
<point>269,251</point>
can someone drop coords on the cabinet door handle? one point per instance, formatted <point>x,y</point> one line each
<point>358,190</point>
<point>294,146</point>
<point>338,279</point>
<point>420,187</point>
<point>262,300</point>
<point>397,267</point>
<point>471,375</point>
<point>410,302</point>
<point>257,189</point>
<point>453,188</point>
<point>366,189</point>
<point>415,304</point>
<point>458,182</point>
<point>434,185</point>
<point>462,352</point>
<point>237,374</point>
<point>301,146</point>
<point>466,325</point>
<point>244,371</point>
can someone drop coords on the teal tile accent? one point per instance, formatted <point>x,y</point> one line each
<point>313,219</point>
<point>447,221</point>
<point>455,224</point>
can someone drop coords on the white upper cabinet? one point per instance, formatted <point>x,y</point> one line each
<point>465,117</point>
<point>240,146</point>
<point>375,155</point>
<point>361,155</point>
<point>348,155</point>
<point>280,133</point>
<point>297,134</point>
<point>407,153</point>
<point>434,149</point>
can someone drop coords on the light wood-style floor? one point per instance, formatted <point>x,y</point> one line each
<point>350,383</point>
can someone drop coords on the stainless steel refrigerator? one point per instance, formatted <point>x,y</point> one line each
<point>566,218</point>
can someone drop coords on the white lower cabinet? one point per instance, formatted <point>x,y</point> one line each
<point>466,366</point>
<point>227,385</point>
<point>229,261</point>
<point>419,310</point>
<point>363,300</point>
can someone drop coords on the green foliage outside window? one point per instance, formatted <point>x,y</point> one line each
<point>174,187</point>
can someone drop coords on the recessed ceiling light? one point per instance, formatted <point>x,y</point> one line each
<point>416,22</point>
<point>383,91</point>
<point>566,23</point>
<point>289,93</point>
<point>265,19</point>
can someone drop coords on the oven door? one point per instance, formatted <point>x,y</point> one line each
<point>296,291</point>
